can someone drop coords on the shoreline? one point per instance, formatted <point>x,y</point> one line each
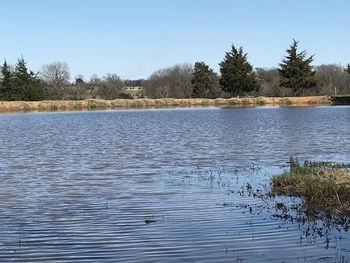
<point>90,104</point>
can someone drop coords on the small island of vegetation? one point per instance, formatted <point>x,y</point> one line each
<point>323,186</point>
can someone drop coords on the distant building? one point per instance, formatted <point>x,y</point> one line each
<point>138,88</point>
<point>135,92</point>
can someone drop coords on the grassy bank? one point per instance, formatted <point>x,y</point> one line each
<point>323,186</point>
<point>18,106</point>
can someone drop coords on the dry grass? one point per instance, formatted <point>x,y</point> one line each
<point>323,186</point>
<point>46,105</point>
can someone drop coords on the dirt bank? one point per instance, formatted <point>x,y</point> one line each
<point>67,105</point>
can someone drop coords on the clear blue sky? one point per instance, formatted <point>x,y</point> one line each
<point>133,38</point>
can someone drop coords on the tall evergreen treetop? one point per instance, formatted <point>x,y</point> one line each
<point>237,75</point>
<point>6,83</point>
<point>27,85</point>
<point>296,71</point>
<point>205,81</point>
<point>21,69</point>
<point>5,70</point>
<point>348,69</point>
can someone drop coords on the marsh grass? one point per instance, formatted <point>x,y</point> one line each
<point>46,105</point>
<point>323,186</point>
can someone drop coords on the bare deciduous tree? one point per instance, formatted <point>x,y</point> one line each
<point>332,79</point>
<point>76,91</point>
<point>269,81</point>
<point>55,74</point>
<point>110,87</point>
<point>94,86</point>
<point>55,77</point>
<point>172,82</point>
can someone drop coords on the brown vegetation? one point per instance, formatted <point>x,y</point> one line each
<point>323,186</point>
<point>63,105</point>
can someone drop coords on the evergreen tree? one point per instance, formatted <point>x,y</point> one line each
<point>348,69</point>
<point>6,83</point>
<point>28,85</point>
<point>205,81</point>
<point>296,71</point>
<point>237,75</point>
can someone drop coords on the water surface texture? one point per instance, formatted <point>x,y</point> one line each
<point>160,185</point>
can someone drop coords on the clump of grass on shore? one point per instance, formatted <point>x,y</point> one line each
<point>323,186</point>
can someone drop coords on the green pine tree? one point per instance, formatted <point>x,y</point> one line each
<point>27,82</point>
<point>296,71</point>
<point>205,82</point>
<point>6,83</point>
<point>348,69</point>
<point>237,75</point>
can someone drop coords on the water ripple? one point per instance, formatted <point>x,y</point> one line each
<point>159,185</point>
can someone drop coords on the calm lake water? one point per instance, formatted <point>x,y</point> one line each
<point>78,186</point>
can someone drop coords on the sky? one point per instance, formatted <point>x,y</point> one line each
<point>134,38</point>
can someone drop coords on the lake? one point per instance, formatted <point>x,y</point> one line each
<point>162,185</point>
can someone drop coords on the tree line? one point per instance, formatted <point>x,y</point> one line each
<point>295,76</point>
<point>52,82</point>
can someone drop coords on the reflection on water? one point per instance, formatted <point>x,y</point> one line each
<point>78,186</point>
